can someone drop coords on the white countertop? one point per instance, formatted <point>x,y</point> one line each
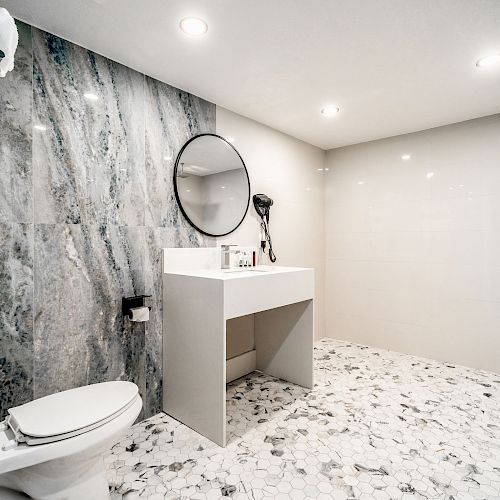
<point>238,272</point>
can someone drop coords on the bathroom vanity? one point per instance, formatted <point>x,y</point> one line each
<point>200,300</point>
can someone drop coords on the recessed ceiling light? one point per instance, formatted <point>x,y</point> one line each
<point>193,26</point>
<point>405,157</point>
<point>42,128</point>
<point>326,169</point>
<point>430,175</point>
<point>330,110</point>
<point>90,96</point>
<point>488,61</point>
<point>230,139</point>
<point>319,169</point>
<point>361,182</point>
<point>223,187</point>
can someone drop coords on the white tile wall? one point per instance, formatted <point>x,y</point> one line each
<point>285,169</point>
<point>413,247</point>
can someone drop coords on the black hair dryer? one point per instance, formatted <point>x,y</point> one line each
<point>263,204</point>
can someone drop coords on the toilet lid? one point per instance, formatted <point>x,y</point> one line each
<point>73,410</point>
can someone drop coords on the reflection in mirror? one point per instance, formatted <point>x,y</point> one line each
<point>211,185</point>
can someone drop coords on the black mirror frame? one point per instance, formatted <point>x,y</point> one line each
<point>179,204</point>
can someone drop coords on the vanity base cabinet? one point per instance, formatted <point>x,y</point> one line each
<point>195,314</point>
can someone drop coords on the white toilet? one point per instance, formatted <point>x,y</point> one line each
<point>52,448</point>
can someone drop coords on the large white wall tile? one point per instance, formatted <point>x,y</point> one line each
<point>285,169</point>
<point>412,247</point>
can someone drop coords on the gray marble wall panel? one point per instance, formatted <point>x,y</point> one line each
<point>81,273</point>
<point>89,160</point>
<point>172,117</point>
<point>16,314</point>
<point>16,229</point>
<point>103,207</point>
<point>16,193</point>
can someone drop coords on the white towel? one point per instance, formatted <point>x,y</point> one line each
<point>8,41</point>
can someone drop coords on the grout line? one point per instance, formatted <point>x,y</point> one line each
<point>32,112</point>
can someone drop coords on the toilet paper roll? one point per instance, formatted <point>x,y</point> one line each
<point>139,314</point>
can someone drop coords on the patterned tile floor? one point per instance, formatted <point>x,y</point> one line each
<point>378,425</point>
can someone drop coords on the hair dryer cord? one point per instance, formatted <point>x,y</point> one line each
<point>267,235</point>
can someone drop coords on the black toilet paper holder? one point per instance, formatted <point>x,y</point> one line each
<point>133,302</point>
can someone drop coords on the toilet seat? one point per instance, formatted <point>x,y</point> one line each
<point>69,413</point>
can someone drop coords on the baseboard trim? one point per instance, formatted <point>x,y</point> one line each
<point>241,365</point>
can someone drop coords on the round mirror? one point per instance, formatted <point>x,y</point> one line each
<point>211,185</point>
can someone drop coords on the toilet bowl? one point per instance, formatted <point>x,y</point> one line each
<point>52,448</point>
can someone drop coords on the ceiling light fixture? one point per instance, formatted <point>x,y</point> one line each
<point>405,157</point>
<point>193,26</point>
<point>486,62</point>
<point>430,175</point>
<point>330,110</point>
<point>90,96</point>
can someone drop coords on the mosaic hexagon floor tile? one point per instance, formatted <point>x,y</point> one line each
<point>378,425</point>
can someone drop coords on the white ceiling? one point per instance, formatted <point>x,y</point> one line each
<point>393,66</point>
